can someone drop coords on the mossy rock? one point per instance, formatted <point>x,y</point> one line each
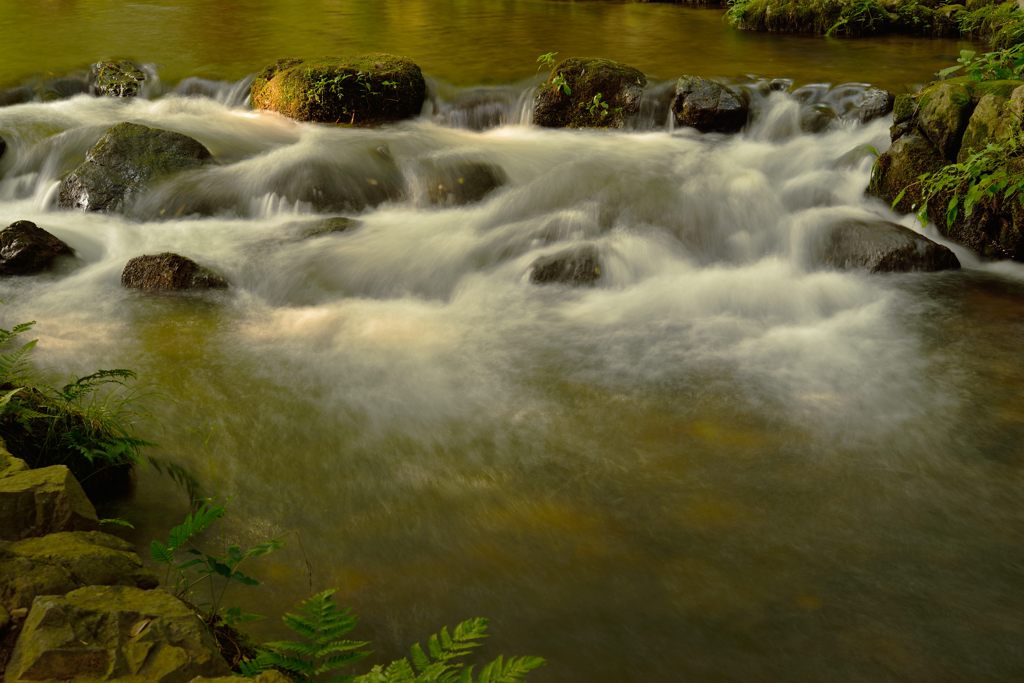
<point>943,112</point>
<point>361,91</point>
<point>996,118</point>
<point>124,163</point>
<point>601,94</point>
<point>43,501</point>
<point>899,168</point>
<point>116,78</point>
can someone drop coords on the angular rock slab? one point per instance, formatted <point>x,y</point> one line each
<point>124,162</point>
<point>168,272</point>
<point>880,247</point>
<point>26,249</point>
<point>58,563</point>
<point>42,501</point>
<point>104,633</point>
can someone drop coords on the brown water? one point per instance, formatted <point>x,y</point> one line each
<point>723,463</point>
<point>466,42</point>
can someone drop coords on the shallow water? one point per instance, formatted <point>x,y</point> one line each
<point>721,463</point>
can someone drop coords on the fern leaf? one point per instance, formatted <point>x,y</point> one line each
<point>511,670</point>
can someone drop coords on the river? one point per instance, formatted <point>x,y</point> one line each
<point>722,463</point>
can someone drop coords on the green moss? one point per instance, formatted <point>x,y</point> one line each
<point>363,90</point>
<point>589,92</point>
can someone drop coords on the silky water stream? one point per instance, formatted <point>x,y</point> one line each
<point>723,462</point>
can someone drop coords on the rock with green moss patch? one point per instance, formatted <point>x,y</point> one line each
<point>124,163</point>
<point>898,169</point>
<point>943,113</point>
<point>168,272</point>
<point>43,501</point>
<point>709,106</point>
<point>8,463</point>
<point>996,118</point>
<point>589,93</point>
<point>105,633</point>
<point>116,78</point>
<point>61,562</point>
<point>270,676</point>
<point>362,91</point>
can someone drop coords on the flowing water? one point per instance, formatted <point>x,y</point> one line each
<point>723,462</point>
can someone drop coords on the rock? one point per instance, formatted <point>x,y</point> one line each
<point>816,118</point>
<point>325,226</point>
<point>61,562</point>
<point>944,110</point>
<point>26,249</point>
<point>879,247</point>
<point>168,272</point>
<point>875,103</point>
<point>8,463</point>
<point>104,633</point>
<point>61,88</point>
<point>904,108</point>
<point>270,676</point>
<point>708,106</point>
<point>5,618</point>
<point>459,181</point>
<point>996,119</point>
<point>117,78</point>
<point>42,501</point>
<point>365,90</point>
<point>125,161</point>
<point>578,266</point>
<point>900,167</point>
<point>601,94</point>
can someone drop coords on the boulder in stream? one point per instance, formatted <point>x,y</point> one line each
<point>116,78</point>
<point>26,249</point>
<point>168,272</point>
<point>125,161</point>
<point>879,247</point>
<point>106,633</point>
<point>361,91</point>
<point>873,104</point>
<point>578,266</point>
<point>709,106</point>
<point>458,181</point>
<point>589,93</point>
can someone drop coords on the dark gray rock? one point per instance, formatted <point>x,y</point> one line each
<point>116,78</point>
<point>816,118</point>
<point>879,247</point>
<point>708,106</point>
<point>578,266</point>
<point>25,249</point>
<point>125,161</point>
<point>459,181</point>
<point>168,272</point>
<point>601,94</point>
<point>875,103</point>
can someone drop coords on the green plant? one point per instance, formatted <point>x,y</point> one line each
<point>988,175</point>
<point>560,84</point>
<point>989,66</point>
<point>546,60</point>
<point>323,650</point>
<point>14,363</point>
<point>598,106</point>
<point>218,571</point>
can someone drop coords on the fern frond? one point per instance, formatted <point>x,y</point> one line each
<point>511,670</point>
<point>14,365</point>
<point>194,524</point>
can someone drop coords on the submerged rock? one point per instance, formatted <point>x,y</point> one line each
<point>589,93</point>
<point>25,249</point>
<point>61,562</point>
<point>168,272</point>
<point>459,181</point>
<point>880,247</point>
<point>816,118</point>
<point>709,106</point>
<point>43,501</point>
<point>366,90</point>
<point>125,161</point>
<point>578,266</point>
<point>101,633</point>
<point>325,226</point>
<point>116,78</point>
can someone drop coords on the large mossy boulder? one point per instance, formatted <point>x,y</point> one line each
<point>26,249</point>
<point>589,93</point>
<point>709,106</point>
<point>116,78</point>
<point>879,247</point>
<point>168,272</point>
<point>944,124</point>
<point>43,501</point>
<point>125,162</point>
<point>106,633</point>
<point>362,91</point>
<point>577,266</point>
<point>61,562</point>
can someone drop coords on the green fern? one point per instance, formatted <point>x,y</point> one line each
<point>321,625</point>
<point>14,364</point>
